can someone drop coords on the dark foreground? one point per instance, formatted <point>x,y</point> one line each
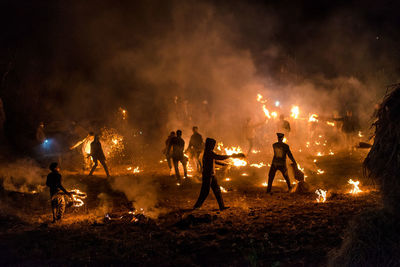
<point>279,230</point>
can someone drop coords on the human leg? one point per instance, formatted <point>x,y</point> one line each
<point>94,167</point>
<point>217,192</point>
<point>271,176</point>
<point>103,162</point>
<point>205,190</point>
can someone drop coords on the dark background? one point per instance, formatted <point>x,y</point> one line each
<point>58,58</point>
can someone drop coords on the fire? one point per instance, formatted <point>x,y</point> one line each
<point>360,134</point>
<point>330,123</point>
<point>277,103</point>
<point>220,145</point>
<point>227,179</point>
<point>274,114</point>
<point>284,139</point>
<point>331,153</point>
<point>235,162</point>
<point>321,195</point>
<point>124,113</point>
<point>266,112</point>
<point>355,189</point>
<point>300,168</point>
<point>87,148</point>
<point>265,184</point>
<point>77,197</point>
<point>319,154</point>
<point>319,171</point>
<point>223,190</point>
<point>134,170</point>
<point>295,111</point>
<point>313,118</point>
<point>259,165</point>
<point>260,99</point>
<point>255,151</point>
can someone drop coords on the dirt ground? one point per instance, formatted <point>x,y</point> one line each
<point>282,229</point>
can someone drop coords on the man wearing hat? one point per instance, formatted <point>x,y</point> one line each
<point>279,162</point>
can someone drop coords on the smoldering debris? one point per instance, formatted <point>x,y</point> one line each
<point>142,191</point>
<point>24,176</point>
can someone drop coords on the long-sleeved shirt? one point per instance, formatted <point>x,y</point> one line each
<point>209,162</point>
<point>54,183</point>
<point>280,151</point>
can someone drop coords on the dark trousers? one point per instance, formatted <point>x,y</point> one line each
<point>103,162</point>
<point>176,161</point>
<point>272,172</point>
<point>169,161</point>
<point>209,181</point>
<point>196,159</point>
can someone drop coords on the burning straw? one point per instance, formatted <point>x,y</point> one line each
<point>373,237</point>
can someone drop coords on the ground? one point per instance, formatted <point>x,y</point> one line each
<point>282,229</point>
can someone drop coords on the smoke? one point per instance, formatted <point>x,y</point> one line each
<point>23,176</point>
<point>142,192</point>
<point>175,64</point>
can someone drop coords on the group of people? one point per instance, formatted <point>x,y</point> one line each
<point>175,152</point>
<point>175,149</point>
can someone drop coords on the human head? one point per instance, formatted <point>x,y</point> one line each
<point>54,166</point>
<point>172,133</point>
<point>179,133</point>
<point>280,136</point>
<point>195,129</point>
<point>91,133</point>
<point>210,144</point>
<point>96,138</point>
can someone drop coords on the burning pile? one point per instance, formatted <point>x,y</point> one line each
<point>321,195</point>
<point>355,190</point>
<point>77,198</point>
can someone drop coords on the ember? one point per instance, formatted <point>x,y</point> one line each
<point>78,197</point>
<point>321,195</point>
<point>355,190</point>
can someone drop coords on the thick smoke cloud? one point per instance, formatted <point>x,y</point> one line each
<point>175,64</point>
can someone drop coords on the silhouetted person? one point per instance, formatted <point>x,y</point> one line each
<point>57,192</point>
<point>96,151</point>
<point>209,179</point>
<point>40,134</point>
<point>250,132</point>
<point>167,155</point>
<point>178,145</point>
<point>196,146</point>
<point>279,162</point>
<point>349,129</point>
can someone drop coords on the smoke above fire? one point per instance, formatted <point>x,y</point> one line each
<point>174,64</point>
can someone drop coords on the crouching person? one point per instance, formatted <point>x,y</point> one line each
<point>57,192</point>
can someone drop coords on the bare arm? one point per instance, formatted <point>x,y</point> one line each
<point>289,153</point>
<point>77,144</point>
